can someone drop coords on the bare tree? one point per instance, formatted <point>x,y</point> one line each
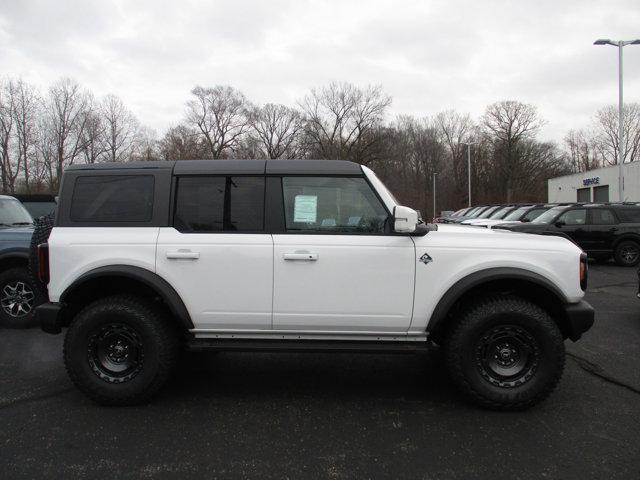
<point>506,125</point>
<point>120,130</point>
<point>342,120</point>
<point>183,143</point>
<point>7,119</point>
<point>26,106</point>
<point>584,151</point>
<point>606,132</point>
<point>277,129</point>
<point>455,129</point>
<point>221,115</point>
<point>65,108</point>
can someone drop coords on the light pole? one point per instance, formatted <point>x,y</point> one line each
<point>468,144</point>
<point>620,44</point>
<point>434,194</point>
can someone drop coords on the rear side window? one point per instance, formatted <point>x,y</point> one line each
<point>220,204</point>
<point>112,198</point>
<point>602,216</point>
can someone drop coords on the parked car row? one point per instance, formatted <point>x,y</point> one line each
<point>603,231</point>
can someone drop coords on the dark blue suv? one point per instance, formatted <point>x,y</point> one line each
<point>18,292</point>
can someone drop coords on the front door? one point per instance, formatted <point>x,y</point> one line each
<point>216,255</point>
<point>338,268</point>
<point>573,223</point>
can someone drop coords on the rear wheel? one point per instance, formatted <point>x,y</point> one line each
<point>627,253</point>
<point>505,353</point>
<point>120,350</point>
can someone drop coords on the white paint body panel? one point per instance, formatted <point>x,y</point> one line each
<point>229,285</point>
<point>358,282</point>
<point>458,251</point>
<point>76,251</point>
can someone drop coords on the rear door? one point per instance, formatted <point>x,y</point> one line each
<point>217,255</point>
<point>603,226</point>
<point>337,266</point>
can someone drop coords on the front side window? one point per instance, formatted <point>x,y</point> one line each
<point>332,205</point>
<point>220,204</point>
<point>112,198</point>
<point>574,217</point>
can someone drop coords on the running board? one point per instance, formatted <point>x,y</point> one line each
<point>253,345</point>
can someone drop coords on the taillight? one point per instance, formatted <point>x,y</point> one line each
<point>584,271</point>
<point>43,263</point>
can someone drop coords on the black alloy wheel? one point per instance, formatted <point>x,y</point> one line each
<point>116,353</point>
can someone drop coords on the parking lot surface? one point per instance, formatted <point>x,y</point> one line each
<point>286,415</point>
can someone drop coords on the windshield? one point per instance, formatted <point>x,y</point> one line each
<point>474,212</point>
<point>13,213</point>
<point>487,213</point>
<point>516,214</point>
<point>498,214</point>
<point>549,215</point>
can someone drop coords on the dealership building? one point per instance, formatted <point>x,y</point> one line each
<point>599,185</point>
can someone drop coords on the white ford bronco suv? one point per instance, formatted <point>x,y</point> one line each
<point>147,258</point>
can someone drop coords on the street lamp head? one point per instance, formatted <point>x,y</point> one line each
<point>635,42</point>
<point>604,41</point>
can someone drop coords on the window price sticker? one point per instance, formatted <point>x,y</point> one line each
<point>305,209</point>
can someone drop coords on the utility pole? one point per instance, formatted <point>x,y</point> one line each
<point>434,194</point>
<point>468,144</point>
<point>620,44</point>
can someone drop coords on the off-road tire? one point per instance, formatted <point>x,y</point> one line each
<point>464,347</point>
<point>10,279</point>
<point>158,338</point>
<point>627,253</point>
<point>41,231</point>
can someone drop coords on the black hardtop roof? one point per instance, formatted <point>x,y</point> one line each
<point>235,167</point>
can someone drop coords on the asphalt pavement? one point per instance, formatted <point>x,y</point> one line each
<point>303,416</point>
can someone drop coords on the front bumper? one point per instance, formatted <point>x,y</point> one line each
<point>48,317</point>
<point>579,318</point>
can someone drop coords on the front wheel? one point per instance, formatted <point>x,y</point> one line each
<point>120,350</point>
<point>18,298</point>
<point>627,253</point>
<point>505,353</point>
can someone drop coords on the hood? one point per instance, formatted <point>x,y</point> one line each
<point>470,237</point>
<point>13,233</point>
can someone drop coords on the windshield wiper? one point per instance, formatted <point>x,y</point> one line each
<point>20,223</point>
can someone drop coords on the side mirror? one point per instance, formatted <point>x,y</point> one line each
<point>405,219</point>
<point>525,220</point>
<point>559,223</point>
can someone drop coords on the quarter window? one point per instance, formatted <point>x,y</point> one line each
<point>220,204</point>
<point>332,204</point>
<point>112,198</point>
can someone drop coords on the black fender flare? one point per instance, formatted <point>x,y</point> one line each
<point>464,285</point>
<point>142,275</point>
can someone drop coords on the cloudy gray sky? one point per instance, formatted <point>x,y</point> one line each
<point>428,55</point>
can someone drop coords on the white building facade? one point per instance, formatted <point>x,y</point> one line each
<point>600,185</point>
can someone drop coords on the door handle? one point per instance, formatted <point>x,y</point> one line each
<point>183,255</point>
<point>303,256</point>
<point>613,229</point>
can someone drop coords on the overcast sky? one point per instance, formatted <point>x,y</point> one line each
<point>428,55</point>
